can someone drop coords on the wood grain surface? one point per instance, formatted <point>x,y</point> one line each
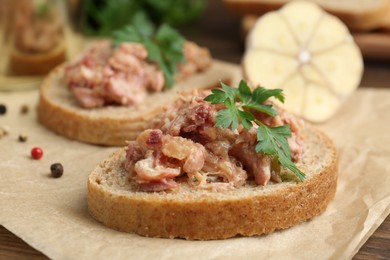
<point>220,32</point>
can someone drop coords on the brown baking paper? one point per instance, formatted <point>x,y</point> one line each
<point>51,214</point>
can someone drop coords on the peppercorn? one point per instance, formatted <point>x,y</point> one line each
<point>24,109</point>
<point>3,109</point>
<point>56,170</point>
<point>4,131</point>
<point>36,153</point>
<point>22,138</point>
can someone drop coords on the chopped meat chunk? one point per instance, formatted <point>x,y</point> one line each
<point>197,60</point>
<point>258,165</point>
<point>150,139</point>
<point>148,170</point>
<point>152,154</point>
<point>195,160</point>
<point>88,97</point>
<point>226,168</point>
<point>164,184</point>
<point>198,115</point>
<point>182,149</point>
<point>124,75</point>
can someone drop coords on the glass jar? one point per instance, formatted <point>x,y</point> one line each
<point>35,37</point>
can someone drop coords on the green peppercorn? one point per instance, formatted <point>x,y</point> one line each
<point>56,170</point>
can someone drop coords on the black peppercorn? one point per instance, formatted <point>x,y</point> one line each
<point>56,170</point>
<point>24,109</point>
<point>3,109</point>
<point>22,138</point>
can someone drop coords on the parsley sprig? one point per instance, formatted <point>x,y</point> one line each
<point>239,102</point>
<point>164,45</point>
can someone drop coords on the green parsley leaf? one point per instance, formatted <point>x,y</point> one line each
<point>246,119</point>
<point>229,116</point>
<point>266,142</point>
<point>154,54</point>
<point>165,46</point>
<point>127,34</point>
<point>171,42</point>
<point>225,118</point>
<point>142,23</point>
<point>101,17</point>
<point>244,92</point>
<point>230,92</point>
<point>218,96</point>
<point>284,161</point>
<point>256,99</point>
<point>261,94</point>
<point>272,141</point>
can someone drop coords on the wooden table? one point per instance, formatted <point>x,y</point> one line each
<point>219,31</point>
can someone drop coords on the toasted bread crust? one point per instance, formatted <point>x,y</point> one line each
<point>114,125</point>
<point>203,215</point>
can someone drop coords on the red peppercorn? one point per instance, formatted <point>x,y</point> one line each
<point>36,153</point>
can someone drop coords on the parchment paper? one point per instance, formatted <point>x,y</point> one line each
<point>51,214</point>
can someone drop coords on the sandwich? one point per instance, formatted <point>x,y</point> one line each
<point>108,94</point>
<point>216,165</point>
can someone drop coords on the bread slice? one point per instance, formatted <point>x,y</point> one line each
<point>113,125</point>
<point>361,15</point>
<point>202,214</point>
